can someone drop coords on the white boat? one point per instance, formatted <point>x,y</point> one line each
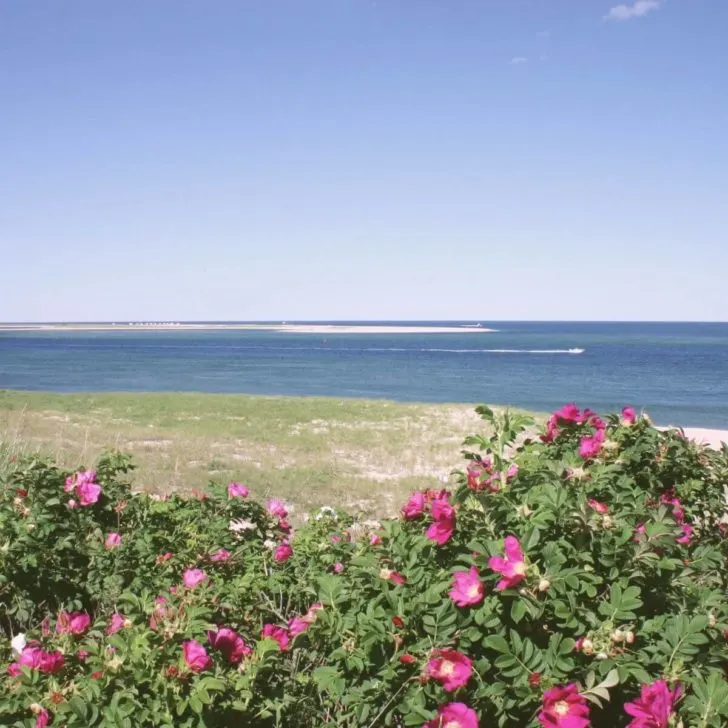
<point>471,326</point>
<point>576,351</point>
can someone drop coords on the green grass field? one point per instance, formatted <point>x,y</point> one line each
<point>362,455</point>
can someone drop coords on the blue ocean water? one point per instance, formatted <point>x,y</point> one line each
<point>678,372</point>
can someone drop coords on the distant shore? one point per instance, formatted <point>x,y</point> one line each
<point>285,328</point>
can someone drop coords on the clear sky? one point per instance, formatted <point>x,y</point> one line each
<point>363,159</point>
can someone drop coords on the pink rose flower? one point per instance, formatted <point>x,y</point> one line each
<point>654,706</point>
<point>512,567</point>
<point>687,534</point>
<point>280,635</point>
<point>88,493</point>
<point>442,529</point>
<point>397,579</point>
<point>72,504</point>
<point>42,719</point>
<point>35,658</point>
<point>72,623</point>
<point>221,555</point>
<point>113,541</point>
<point>670,499</point>
<point>338,568</point>
<point>116,623</point>
<point>629,416</point>
<point>237,490</point>
<point>283,552</point>
<point>414,507</point>
<point>195,656</point>
<point>375,540</point>
<point>450,668</point>
<point>312,613</point>
<point>277,508</point>
<point>589,447</point>
<point>296,626</point>
<point>569,414</point>
<point>230,643</point>
<point>192,577</point>
<point>467,589</point>
<point>595,505</point>
<point>454,715</point>
<point>564,707</point>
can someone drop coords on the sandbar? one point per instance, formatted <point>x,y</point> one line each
<point>712,438</point>
<point>284,328</point>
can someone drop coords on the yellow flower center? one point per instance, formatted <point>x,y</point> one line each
<point>519,568</point>
<point>473,591</point>
<point>562,708</point>
<point>452,724</point>
<point>447,668</point>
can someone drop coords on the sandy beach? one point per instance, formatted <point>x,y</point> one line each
<point>285,328</point>
<point>711,438</point>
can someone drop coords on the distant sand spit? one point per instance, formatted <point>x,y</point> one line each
<point>286,328</point>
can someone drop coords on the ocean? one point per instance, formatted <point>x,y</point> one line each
<point>678,372</point>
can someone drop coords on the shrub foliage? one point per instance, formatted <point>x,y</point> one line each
<point>574,579</point>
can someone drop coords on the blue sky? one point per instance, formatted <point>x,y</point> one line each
<point>363,159</point>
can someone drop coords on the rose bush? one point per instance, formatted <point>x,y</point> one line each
<point>573,579</point>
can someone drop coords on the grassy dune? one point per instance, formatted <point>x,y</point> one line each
<point>362,455</point>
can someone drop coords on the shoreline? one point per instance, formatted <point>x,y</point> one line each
<point>280,328</point>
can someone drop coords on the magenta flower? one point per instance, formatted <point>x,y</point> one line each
<point>670,499</point>
<point>442,529</point>
<point>395,577</point>
<point>195,656</point>
<point>512,567</point>
<point>277,508</point>
<point>35,658</point>
<point>72,623</point>
<point>564,707</point>
<point>312,613</point>
<point>88,493</point>
<point>414,507</point>
<point>338,568</point>
<point>113,540</point>
<point>296,626</point>
<point>467,589</point>
<point>569,414</point>
<point>375,540</point>
<point>192,577</point>
<point>237,490</point>
<point>687,534</point>
<point>590,446</point>
<point>116,623</point>
<point>454,715</point>
<point>221,555</point>
<point>72,504</point>
<point>654,706</point>
<point>450,668</point>
<point>629,416</point>
<point>82,477</point>
<point>280,635</point>
<point>230,643</point>
<point>283,552</point>
<point>42,719</point>
<point>595,505</point>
